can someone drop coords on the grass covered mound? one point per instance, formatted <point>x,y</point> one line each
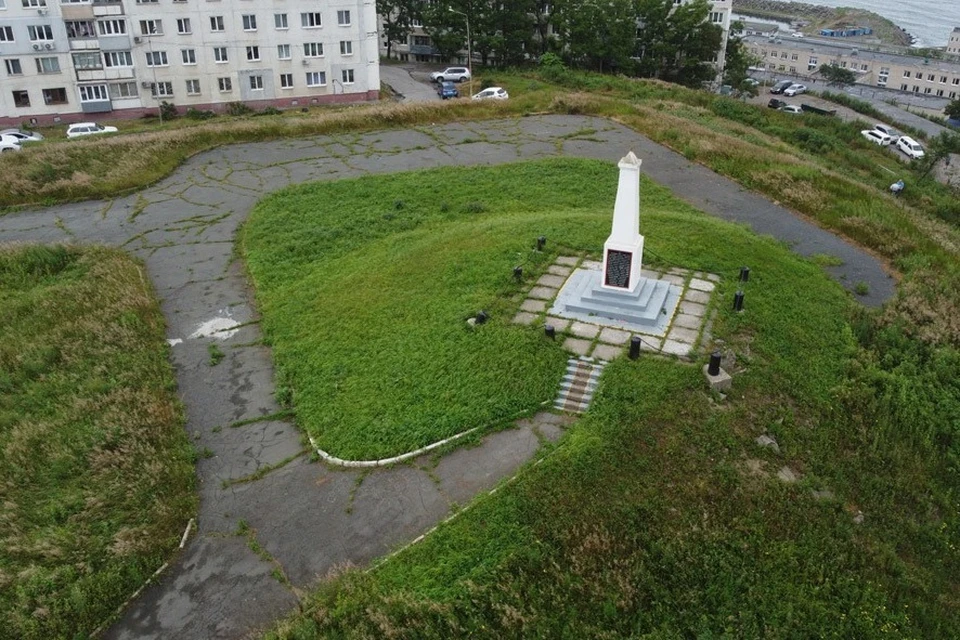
<point>96,473</point>
<point>658,515</point>
<point>365,286</point>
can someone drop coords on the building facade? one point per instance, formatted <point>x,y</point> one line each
<point>913,74</point>
<point>418,46</point>
<point>70,60</point>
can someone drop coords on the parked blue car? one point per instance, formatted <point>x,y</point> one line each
<point>447,90</point>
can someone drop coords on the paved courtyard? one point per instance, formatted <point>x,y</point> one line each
<point>311,518</point>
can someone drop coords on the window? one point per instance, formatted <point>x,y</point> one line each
<point>253,53</point>
<point>956,81</point>
<point>156,58</point>
<point>940,92</point>
<point>943,79</point>
<point>193,87</point>
<point>21,99</point>
<point>151,28</point>
<point>903,87</point>
<point>161,89</point>
<point>286,80</point>
<point>884,71</point>
<point>316,78</point>
<point>416,23</point>
<point>916,89</point>
<point>249,23</point>
<point>147,1</point>
<point>347,76</point>
<point>310,20</point>
<point>80,29</point>
<point>927,90</point>
<point>343,18</point>
<point>13,67</point>
<point>112,27</point>
<point>225,84</point>
<point>55,96</point>
<point>931,77</point>
<point>93,93</point>
<point>189,56</point>
<point>30,4</point>
<point>220,54</point>
<point>283,51</point>
<point>421,41</point>
<point>6,34</point>
<point>122,90</point>
<point>280,21</point>
<point>48,65</point>
<point>794,57</point>
<point>87,60</point>
<point>40,32</point>
<point>183,26</point>
<point>716,17</point>
<point>216,23</point>
<point>117,59</point>
<point>906,74</point>
<point>346,48</point>
<point>256,83</point>
<point>312,49</point>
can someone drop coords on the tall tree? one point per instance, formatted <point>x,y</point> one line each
<point>676,42</point>
<point>837,76</point>
<point>953,110</point>
<point>738,62</point>
<point>397,16</point>
<point>447,29</point>
<point>596,34</point>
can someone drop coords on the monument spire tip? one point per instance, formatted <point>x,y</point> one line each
<point>631,159</point>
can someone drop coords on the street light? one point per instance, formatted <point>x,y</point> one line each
<point>469,50</point>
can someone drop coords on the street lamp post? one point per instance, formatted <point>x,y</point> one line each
<point>469,50</point>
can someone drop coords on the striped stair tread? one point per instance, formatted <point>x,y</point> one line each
<point>578,385</point>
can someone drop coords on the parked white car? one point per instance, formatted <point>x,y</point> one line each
<point>9,143</point>
<point>791,108</point>
<point>876,137</point>
<point>910,147</point>
<point>453,74</point>
<point>491,93</point>
<point>795,90</point>
<point>887,129</point>
<point>88,129</point>
<point>21,135</point>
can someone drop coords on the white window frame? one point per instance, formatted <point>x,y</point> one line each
<point>312,49</point>
<point>93,92</point>
<point>40,33</point>
<point>56,63</point>
<point>188,57</point>
<point>6,34</point>
<point>153,57</point>
<point>286,81</point>
<point>225,85</point>
<point>116,59</point>
<point>162,89</point>
<point>14,68</point>
<point>216,24</point>
<point>311,20</point>
<point>347,76</point>
<point>283,52</point>
<point>280,21</point>
<point>193,87</point>
<point>220,55</point>
<point>249,21</point>
<point>253,53</point>
<point>343,17</point>
<point>319,76</point>
<point>256,83</point>
<point>151,27</point>
<point>346,47</point>
<point>183,26</point>
<point>112,27</point>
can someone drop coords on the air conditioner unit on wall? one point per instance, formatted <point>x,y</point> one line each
<point>145,85</point>
<point>136,39</point>
<point>41,12</point>
<point>36,47</point>
<point>48,46</point>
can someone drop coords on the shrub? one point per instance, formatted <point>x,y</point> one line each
<point>196,114</point>
<point>168,110</point>
<point>238,109</point>
<point>269,111</point>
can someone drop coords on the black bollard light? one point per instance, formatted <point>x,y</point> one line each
<point>634,347</point>
<point>738,301</point>
<point>550,331</point>
<point>518,273</point>
<point>482,317</point>
<point>714,368</point>
<point>744,274</point>
<point>541,243</point>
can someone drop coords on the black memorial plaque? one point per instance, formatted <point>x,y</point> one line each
<point>618,269</point>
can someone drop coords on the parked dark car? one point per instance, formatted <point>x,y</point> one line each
<point>781,86</point>
<point>776,104</point>
<point>447,90</point>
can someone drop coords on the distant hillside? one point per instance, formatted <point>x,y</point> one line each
<point>817,17</point>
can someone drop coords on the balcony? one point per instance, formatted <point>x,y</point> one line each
<point>108,8</point>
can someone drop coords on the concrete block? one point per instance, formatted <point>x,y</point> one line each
<point>673,278</point>
<point>560,324</point>
<point>649,343</point>
<point>720,382</point>
<point>614,336</point>
<point>524,317</point>
<point>569,261</point>
<point>584,330</point>
<point>606,352</point>
<point>592,264</point>
<point>543,293</point>
<point>687,321</point>
<point>683,335</point>
<point>534,306</point>
<point>712,277</point>
<point>702,285</point>
<point>579,347</point>
<point>557,270</point>
<point>700,297</point>
<point>550,280</point>
<point>693,308</point>
<point>675,348</point>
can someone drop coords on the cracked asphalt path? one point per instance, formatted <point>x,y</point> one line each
<point>308,517</point>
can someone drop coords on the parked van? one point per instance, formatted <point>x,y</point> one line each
<point>910,147</point>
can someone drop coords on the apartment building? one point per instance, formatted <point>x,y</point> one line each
<point>419,47</point>
<point>953,45</point>
<point>70,60</point>
<point>914,74</point>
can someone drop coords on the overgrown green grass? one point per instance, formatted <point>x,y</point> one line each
<point>96,478</point>
<point>658,515</point>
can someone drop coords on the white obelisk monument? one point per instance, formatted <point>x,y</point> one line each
<point>623,250</point>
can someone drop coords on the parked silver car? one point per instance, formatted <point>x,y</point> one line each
<point>21,135</point>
